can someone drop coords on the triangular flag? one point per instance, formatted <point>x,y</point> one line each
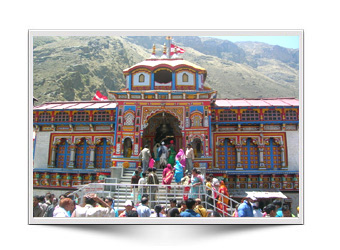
<point>99,97</point>
<point>178,49</point>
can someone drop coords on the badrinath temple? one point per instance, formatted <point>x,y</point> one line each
<point>253,144</point>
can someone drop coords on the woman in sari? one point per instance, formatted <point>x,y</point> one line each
<point>167,176</point>
<point>178,172</point>
<point>196,182</point>
<point>223,201</point>
<point>181,158</point>
<point>172,153</point>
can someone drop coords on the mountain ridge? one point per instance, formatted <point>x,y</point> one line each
<point>73,68</point>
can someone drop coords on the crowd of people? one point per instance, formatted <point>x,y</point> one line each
<point>94,206</point>
<point>144,188</point>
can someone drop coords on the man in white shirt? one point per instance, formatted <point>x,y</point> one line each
<point>145,155</point>
<point>189,154</point>
<point>89,209</point>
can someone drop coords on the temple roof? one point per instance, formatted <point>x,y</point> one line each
<point>76,105</point>
<point>257,102</point>
<point>171,63</point>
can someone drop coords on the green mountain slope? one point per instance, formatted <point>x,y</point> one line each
<point>73,68</point>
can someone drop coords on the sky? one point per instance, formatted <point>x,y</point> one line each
<point>291,42</point>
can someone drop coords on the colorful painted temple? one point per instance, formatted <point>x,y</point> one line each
<point>252,143</point>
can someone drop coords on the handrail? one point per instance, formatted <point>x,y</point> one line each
<point>124,191</point>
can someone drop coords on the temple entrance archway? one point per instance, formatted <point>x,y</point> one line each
<point>163,127</point>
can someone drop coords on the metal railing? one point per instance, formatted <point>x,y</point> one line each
<point>159,194</point>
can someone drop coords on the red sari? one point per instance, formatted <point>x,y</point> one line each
<point>167,176</point>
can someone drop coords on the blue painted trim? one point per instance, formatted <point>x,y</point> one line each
<point>116,124</point>
<point>173,81</point>
<point>197,79</point>
<point>152,81</point>
<point>130,81</point>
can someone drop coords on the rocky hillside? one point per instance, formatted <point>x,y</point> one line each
<point>73,68</point>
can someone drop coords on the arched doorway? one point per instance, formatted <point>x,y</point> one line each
<point>163,127</point>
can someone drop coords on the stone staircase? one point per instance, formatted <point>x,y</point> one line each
<point>163,197</point>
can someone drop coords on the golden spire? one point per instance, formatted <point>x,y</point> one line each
<point>154,49</point>
<point>164,49</point>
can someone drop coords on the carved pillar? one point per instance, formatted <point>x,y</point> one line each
<point>53,154</point>
<point>283,160</point>
<point>261,149</point>
<point>92,155</point>
<point>238,157</point>
<point>72,155</point>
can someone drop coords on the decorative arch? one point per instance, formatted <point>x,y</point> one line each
<point>150,112</point>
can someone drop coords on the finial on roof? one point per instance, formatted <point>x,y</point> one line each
<point>153,56</point>
<point>154,49</point>
<point>164,52</point>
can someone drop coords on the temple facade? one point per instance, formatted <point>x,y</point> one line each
<point>251,143</point>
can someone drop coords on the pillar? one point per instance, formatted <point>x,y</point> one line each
<point>261,149</point>
<point>283,160</point>
<point>54,148</point>
<point>238,157</point>
<point>92,155</point>
<point>72,156</point>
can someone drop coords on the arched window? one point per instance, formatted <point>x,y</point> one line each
<point>81,116</point>
<point>198,148</point>
<point>250,115</point>
<point>250,155</point>
<point>230,155</point>
<point>82,154</point>
<point>62,116</point>
<point>127,148</point>
<point>291,115</point>
<point>62,154</point>
<point>44,117</point>
<point>101,116</point>
<point>103,154</point>
<point>141,78</point>
<point>227,116</point>
<point>272,115</point>
<point>185,77</point>
<point>272,155</point>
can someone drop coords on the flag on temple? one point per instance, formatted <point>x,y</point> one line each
<point>99,96</point>
<point>178,49</point>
